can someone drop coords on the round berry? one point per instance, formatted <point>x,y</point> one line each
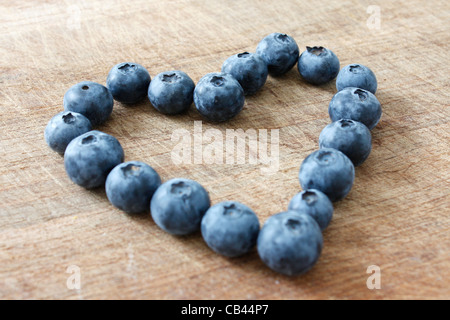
<point>248,69</point>
<point>290,243</point>
<point>90,157</point>
<point>171,92</point>
<point>131,185</point>
<point>63,128</point>
<point>219,97</point>
<point>314,203</point>
<point>279,51</point>
<point>128,82</point>
<point>350,137</point>
<point>358,76</point>
<point>91,99</point>
<point>329,171</point>
<point>179,205</point>
<point>318,65</point>
<point>230,228</point>
<point>355,104</point>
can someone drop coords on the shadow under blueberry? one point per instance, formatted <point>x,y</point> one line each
<point>98,192</point>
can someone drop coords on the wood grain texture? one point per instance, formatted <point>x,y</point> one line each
<point>396,216</point>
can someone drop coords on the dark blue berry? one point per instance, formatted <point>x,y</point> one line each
<point>230,228</point>
<point>318,65</point>
<point>355,104</point>
<point>219,97</point>
<point>328,170</point>
<point>178,206</point>
<point>290,243</point>
<point>91,99</point>
<point>63,128</point>
<point>350,137</point>
<point>90,157</point>
<point>249,69</point>
<point>131,185</point>
<point>314,203</point>
<point>357,76</point>
<point>128,82</point>
<point>279,51</point>
<point>171,92</point>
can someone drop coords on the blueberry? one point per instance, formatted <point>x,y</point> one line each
<point>90,157</point>
<point>279,51</point>
<point>249,69</point>
<point>63,128</point>
<point>131,185</point>
<point>318,65</point>
<point>219,97</point>
<point>314,203</point>
<point>230,228</point>
<point>358,76</point>
<point>290,243</point>
<point>128,82</point>
<point>350,137</point>
<point>327,170</point>
<point>91,99</point>
<point>355,104</point>
<point>179,205</point>
<point>171,92</point>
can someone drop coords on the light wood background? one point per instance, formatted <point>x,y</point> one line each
<point>396,216</point>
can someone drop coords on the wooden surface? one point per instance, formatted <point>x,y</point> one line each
<point>396,216</point>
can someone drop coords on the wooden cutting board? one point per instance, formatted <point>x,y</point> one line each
<point>396,216</point>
